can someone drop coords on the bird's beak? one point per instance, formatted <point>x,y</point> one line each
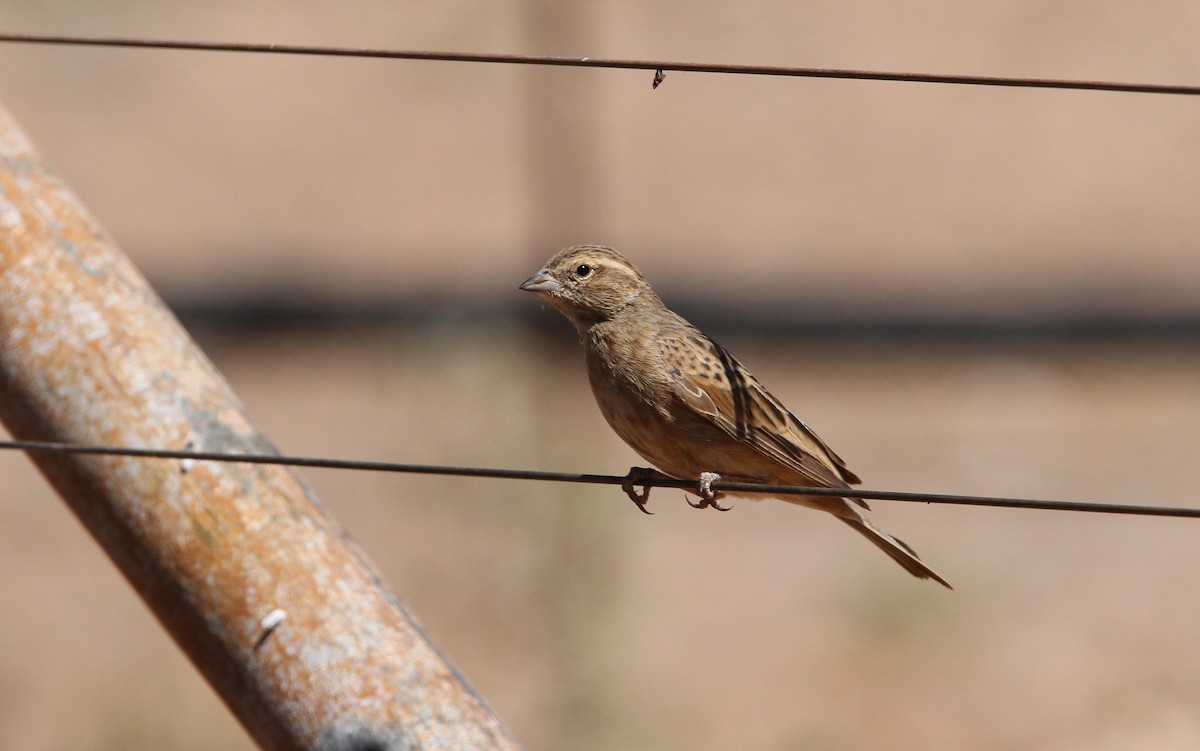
<point>541,282</point>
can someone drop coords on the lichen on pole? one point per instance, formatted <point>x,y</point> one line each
<point>285,617</point>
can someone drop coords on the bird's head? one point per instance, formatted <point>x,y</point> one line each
<point>589,284</point>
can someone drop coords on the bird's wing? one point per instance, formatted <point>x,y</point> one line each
<point>711,382</point>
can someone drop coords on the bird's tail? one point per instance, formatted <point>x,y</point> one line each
<point>897,549</point>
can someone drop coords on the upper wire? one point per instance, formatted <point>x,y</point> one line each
<point>574,477</point>
<point>658,66</point>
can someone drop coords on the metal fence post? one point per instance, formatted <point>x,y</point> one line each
<point>283,615</point>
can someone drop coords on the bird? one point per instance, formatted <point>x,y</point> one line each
<point>688,406</point>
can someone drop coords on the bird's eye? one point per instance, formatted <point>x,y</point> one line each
<point>583,271</point>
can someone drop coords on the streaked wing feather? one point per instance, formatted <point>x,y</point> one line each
<point>733,399</point>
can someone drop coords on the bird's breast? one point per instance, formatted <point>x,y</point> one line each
<point>633,389</point>
<point>632,393</point>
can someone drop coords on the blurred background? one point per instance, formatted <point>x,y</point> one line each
<point>962,289</point>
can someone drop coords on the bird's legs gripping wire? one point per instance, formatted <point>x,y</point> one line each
<point>708,496</point>
<point>638,476</point>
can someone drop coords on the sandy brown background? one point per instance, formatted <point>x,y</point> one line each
<point>423,194</point>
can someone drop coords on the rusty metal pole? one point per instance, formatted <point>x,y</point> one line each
<point>283,615</point>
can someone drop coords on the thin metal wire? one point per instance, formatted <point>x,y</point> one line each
<point>524,474</point>
<point>658,66</point>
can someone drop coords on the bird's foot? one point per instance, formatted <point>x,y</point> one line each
<point>638,476</point>
<point>708,496</point>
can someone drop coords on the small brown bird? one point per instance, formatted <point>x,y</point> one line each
<point>687,405</point>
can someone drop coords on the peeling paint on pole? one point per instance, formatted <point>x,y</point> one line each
<point>285,617</point>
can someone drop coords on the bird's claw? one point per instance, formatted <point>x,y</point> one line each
<point>709,503</point>
<point>638,476</point>
<point>708,496</point>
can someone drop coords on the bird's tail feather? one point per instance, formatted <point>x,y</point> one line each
<point>896,549</point>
